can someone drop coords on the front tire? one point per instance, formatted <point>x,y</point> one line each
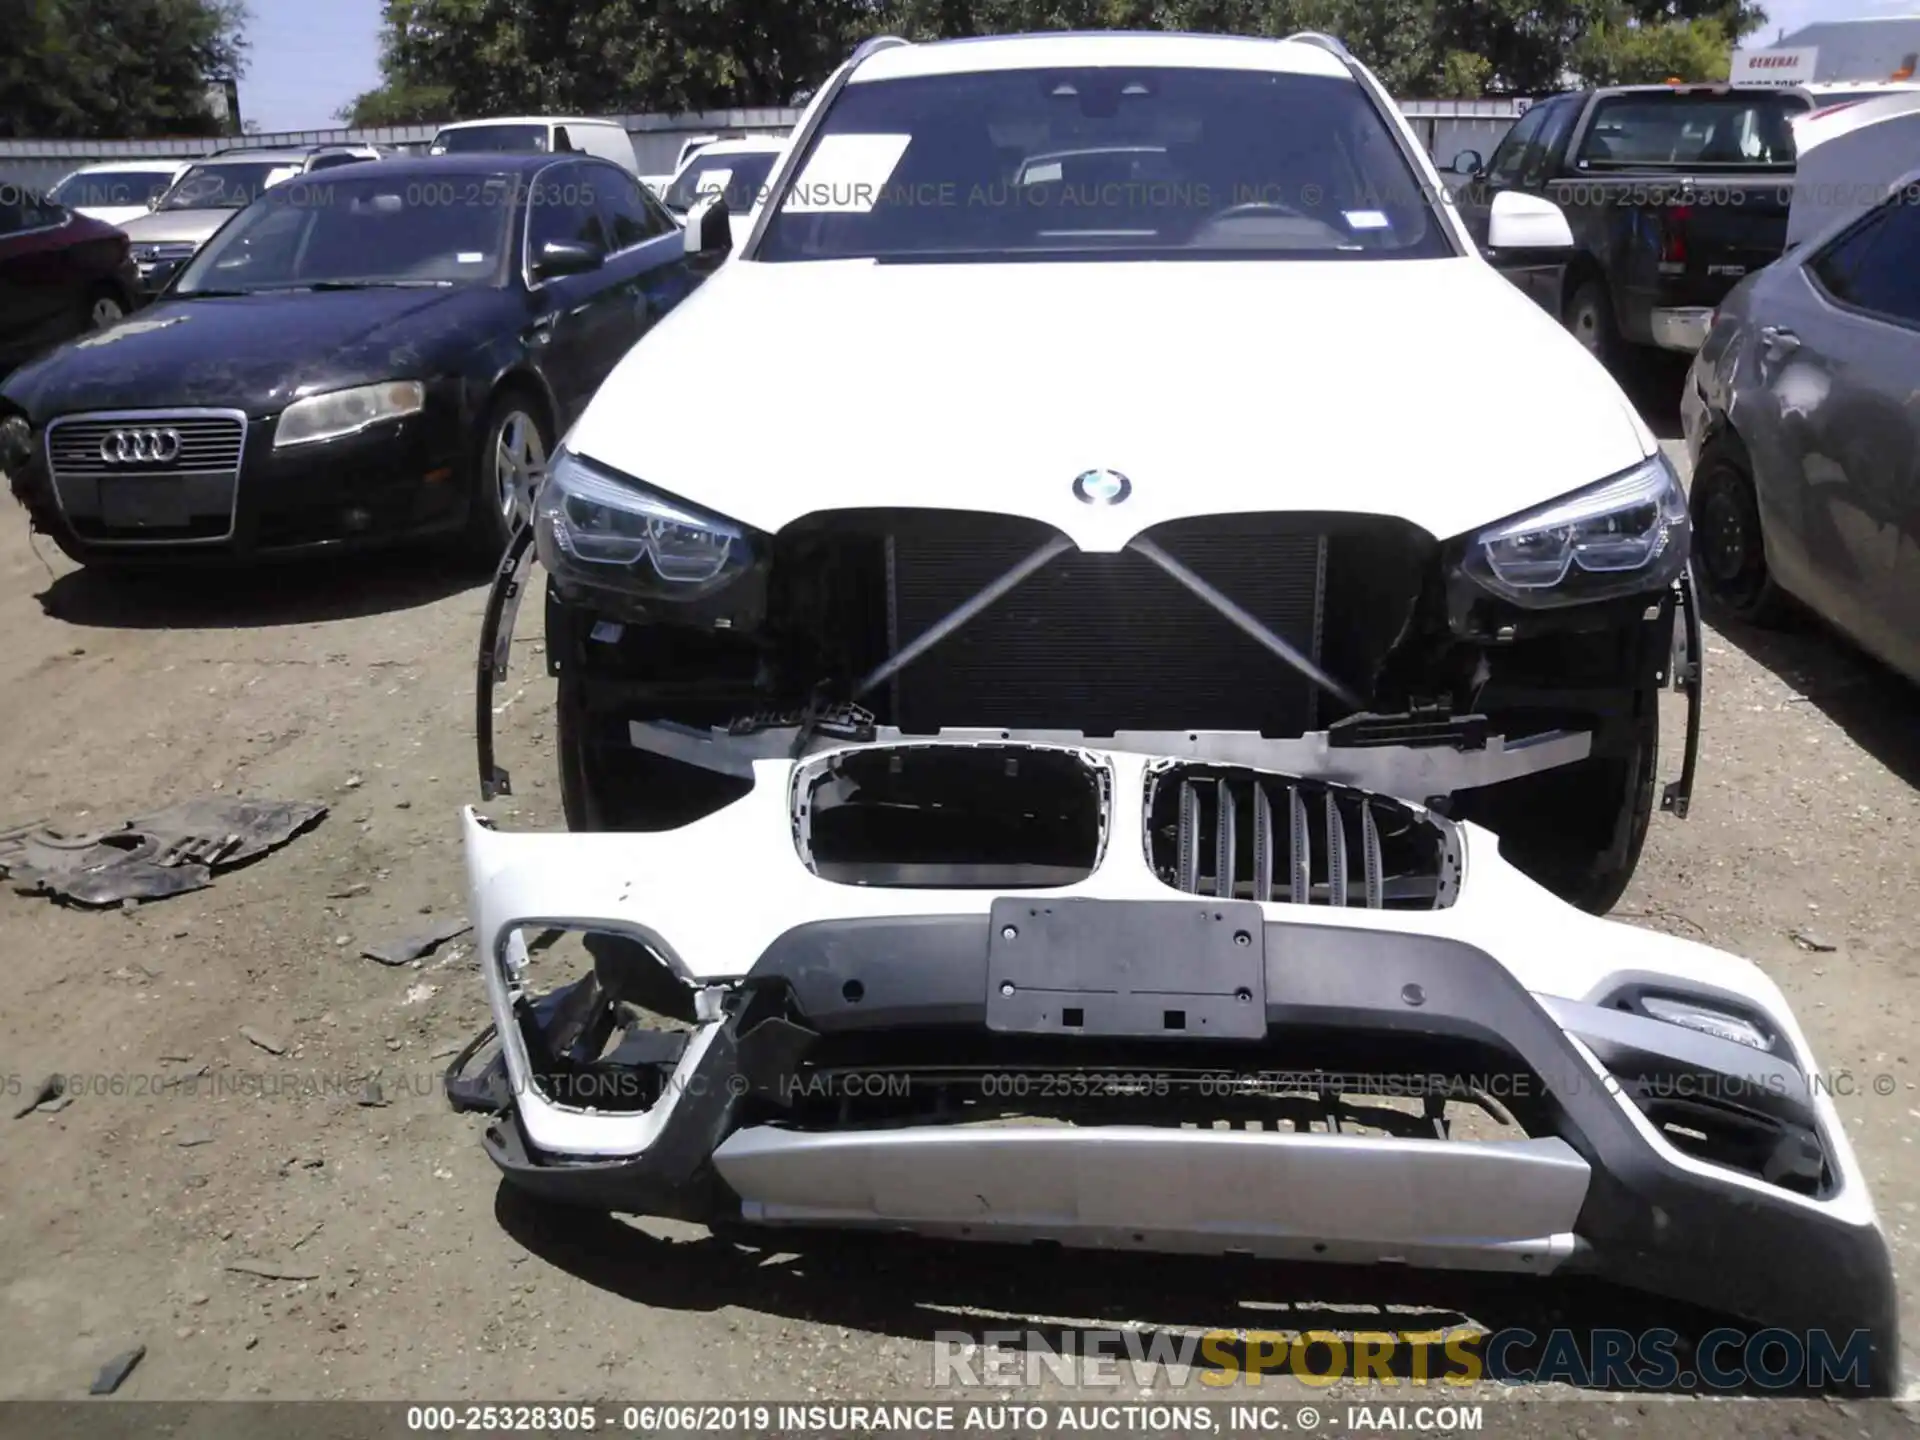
<point>1579,830</point>
<point>515,442</point>
<point>102,310</point>
<point>1728,539</point>
<point>1589,318</point>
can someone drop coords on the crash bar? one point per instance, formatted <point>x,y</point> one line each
<point>959,616</point>
<point>1140,545</point>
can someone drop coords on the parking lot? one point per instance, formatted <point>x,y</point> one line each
<point>264,1231</point>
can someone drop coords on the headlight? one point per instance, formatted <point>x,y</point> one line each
<point>1624,536</point>
<point>343,412</point>
<point>603,529</point>
<point>1706,1019</point>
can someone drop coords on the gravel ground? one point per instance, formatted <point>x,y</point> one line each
<point>404,1271</point>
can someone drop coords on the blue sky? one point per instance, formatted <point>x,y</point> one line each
<point>308,59</point>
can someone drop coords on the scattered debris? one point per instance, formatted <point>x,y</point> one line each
<point>116,1370</point>
<point>404,952</point>
<point>272,1044</point>
<point>150,858</point>
<point>54,1107</point>
<point>446,1052</point>
<point>1807,940</point>
<point>420,994</point>
<point>354,782</point>
<point>371,1096</point>
<point>272,1270</point>
<point>318,1226</point>
<point>187,1139</point>
<point>175,1058</point>
<point>252,1340</point>
<point>50,1089</point>
<point>350,892</point>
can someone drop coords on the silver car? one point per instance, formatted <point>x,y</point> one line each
<point>1802,416</point>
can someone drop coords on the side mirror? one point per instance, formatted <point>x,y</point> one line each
<point>709,229</point>
<point>1467,162</point>
<point>1520,222</point>
<point>567,257</point>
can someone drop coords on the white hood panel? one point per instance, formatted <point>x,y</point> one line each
<point>1431,390</point>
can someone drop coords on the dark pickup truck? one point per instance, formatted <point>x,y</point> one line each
<point>1673,193</point>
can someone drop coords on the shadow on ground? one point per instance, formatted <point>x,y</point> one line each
<point>923,1291</point>
<point>293,593</point>
<point>1875,707</point>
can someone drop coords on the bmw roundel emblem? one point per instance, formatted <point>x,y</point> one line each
<point>1102,487</point>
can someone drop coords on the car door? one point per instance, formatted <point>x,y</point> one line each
<point>1502,172</point>
<point>580,320</point>
<point>648,242</point>
<point>1837,348</point>
<point>1540,161</point>
<point>1523,161</point>
<point>42,282</point>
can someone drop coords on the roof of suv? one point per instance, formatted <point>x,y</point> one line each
<point>1104,47</point>
<point>528,120</point>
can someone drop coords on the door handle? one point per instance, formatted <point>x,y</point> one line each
<point>1779,340</point>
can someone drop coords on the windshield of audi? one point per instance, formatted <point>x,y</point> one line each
<point>1161,163</point>
<point>341,233</point>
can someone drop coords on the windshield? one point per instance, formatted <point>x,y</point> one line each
<point>106,188</point>
<point>225,187</point>
<point>1747,130</point>
<point>495,139</point>
<point>1105,162</point>
<point>742,178</point>
<point>361,231</point>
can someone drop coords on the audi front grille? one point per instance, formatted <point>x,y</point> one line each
<point>148,477</point>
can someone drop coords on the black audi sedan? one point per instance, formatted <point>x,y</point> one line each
<point>382,351</point>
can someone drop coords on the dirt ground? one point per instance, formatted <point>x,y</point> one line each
<point>409,1274</point>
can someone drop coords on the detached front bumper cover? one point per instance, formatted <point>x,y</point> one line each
<point>1163,1008</point>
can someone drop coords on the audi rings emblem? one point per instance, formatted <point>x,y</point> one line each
<point>140,447</point>
<point>1102,487</point>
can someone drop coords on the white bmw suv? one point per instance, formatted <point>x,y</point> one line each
<point>1149,604</point>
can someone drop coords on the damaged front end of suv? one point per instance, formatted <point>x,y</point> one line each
<point>1194,858</point>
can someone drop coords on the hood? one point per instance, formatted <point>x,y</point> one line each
<point>114,215</point>
<point>1431,390</point>
<point>253,352</point>
<point>190,227</point>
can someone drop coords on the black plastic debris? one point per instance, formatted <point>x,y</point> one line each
<point>167,853</point>
<point>116,1371</point>
<point>414,947</point>
<point>45,1093</point>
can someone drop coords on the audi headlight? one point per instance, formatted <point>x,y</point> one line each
<point>1626,535</point>
<point>346,412</point>
<point>603,529</point>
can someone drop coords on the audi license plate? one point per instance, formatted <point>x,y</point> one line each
<point>145,503</point>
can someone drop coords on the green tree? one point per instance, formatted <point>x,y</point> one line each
<point>88,69</point>
<point>465,59</point>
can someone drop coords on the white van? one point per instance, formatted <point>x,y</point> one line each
<point>539,134</point>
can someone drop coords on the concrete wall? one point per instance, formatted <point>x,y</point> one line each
<point>1446,126</point>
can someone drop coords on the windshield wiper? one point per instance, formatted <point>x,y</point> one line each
<point>374,285</point>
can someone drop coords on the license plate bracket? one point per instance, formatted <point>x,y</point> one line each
<point>1167,969</point>
<point>145,503</point>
